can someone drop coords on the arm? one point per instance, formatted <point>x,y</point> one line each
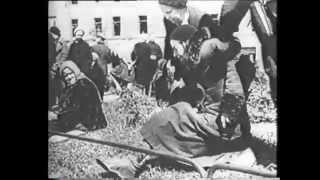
<point>216,52</point>
<point>67,103</point>
<point>168,52</point>
<point>232,13</point>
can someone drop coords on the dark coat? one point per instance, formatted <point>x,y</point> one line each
<point>51,50</point>
<point>155,50</point>
<point>179,130</point>
<point>232,13</point>
<point>217,71</point>
<point>79,104</point>
<point>144,66</point>
<point>104,56</point>
<point>80,53</point>
<point>51,60</point>
<point>267,35</point>
<point>97,75</point>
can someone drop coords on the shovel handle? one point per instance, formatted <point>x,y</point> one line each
<point>239,168</point>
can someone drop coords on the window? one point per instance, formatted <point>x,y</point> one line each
<point>52,21</point>
<point>74,23</point>
<point>116,26</point>
<point>143,24</point>
<point>98,25</point>
<point>74,2</point>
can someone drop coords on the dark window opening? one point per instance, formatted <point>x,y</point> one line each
<point>52,21</point>
<point>116,26</point>
<point>143,24</point>
<point>98,25</point>
<point>74,23</point>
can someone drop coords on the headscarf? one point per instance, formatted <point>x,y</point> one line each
<point>70,64</point>
<point>79,75</point>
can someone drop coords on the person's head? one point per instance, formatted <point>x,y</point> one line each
<point>190,94</point>
<point>55,32</point>
<point>179,38</point>
<point>79,33</point>
<point>174,10</point>
<point>69,72</point>
<point>143,37</point>
<point>100,39</point>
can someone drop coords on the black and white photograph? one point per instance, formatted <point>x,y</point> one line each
<point>162,89</point>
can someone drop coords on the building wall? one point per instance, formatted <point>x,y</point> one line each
<point>129,12</point>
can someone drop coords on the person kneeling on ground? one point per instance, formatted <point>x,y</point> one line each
<point>79,103</point>
<point>180,130</point>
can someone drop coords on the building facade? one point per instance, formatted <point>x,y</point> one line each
<point>123,22</point>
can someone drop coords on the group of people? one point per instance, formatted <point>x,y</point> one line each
<point>206,89</point>
<point>77,81</point>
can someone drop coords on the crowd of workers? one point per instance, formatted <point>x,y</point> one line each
<point>195,73</point>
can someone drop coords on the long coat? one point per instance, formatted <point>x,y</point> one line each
<point>104,56</point>
<point>51,60</point>
<point>179,129</point>
<point>80,53</point>
<point>79,104</point>
<point>144,66</point>
<point>51,50</point>
<point>97,75</point>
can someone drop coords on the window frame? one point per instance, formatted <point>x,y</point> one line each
<point>116,23</point>
<point>74,27</point>
<point>96,23</point>
<point>143,21</point>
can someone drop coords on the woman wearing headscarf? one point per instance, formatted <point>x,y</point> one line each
<point>79,103</point>
<point>179,129</point>
<point>80,52</point>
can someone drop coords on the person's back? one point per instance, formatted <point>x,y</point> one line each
<point>104,55</point>
<point>80,54</point>
<point>97,75</point>
<point>51,50</point>
<point>145,67</point>
<point>156,52</point>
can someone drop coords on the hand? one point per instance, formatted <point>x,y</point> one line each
<point>209,47</point>
<point>52,116</point>
<point>224,120</point>
<point>176,84</point>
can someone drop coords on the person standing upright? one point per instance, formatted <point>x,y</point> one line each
<point>80,52</point>
<point>53,38</point>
